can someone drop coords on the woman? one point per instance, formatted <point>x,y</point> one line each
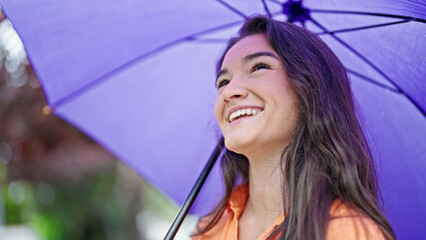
<point>285,109</point>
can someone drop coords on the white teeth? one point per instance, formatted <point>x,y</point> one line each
<point>241,112</point>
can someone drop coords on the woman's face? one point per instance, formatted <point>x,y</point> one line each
<point>256,107</point>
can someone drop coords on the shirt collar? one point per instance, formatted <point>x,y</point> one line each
<point>238,199</point>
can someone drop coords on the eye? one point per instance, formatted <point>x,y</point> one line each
<point>258,66</point>
<point>222,83</point>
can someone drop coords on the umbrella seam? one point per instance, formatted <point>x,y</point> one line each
<point>265,6</point>
<point>362,28</point>
<point>369,13</point>
<point>372,81</point>
<point>85,88</point>
<point>355,52</point>
<point>228,6</point>
<point>371,65</point>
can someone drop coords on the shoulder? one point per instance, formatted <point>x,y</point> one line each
<point>348,222</point>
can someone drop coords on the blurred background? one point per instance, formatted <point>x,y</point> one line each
<point>56,183</point>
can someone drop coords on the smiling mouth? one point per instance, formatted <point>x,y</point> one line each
<point>248,112</point>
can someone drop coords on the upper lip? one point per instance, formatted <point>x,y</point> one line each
<point>236,108</point>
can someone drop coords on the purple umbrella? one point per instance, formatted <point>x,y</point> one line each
<point>138,77</point>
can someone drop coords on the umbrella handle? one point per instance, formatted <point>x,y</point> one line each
<point>184,209</point>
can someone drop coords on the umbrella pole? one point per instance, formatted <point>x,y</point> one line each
<point>184,209</point>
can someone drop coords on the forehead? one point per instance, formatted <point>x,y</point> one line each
<point>246,46</point>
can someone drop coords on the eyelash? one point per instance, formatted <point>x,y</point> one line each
<point>222,83</point>
<point>258,66</point>
<point>255,67</point>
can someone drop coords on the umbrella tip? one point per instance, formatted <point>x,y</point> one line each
<point>46,110</point>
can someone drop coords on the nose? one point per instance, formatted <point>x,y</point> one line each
<point>235,90</point>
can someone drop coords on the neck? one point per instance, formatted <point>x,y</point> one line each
<point>265,184</point>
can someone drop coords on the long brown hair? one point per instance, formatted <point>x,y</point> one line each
<point>328,157</point>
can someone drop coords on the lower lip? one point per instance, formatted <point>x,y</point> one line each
<point>243,119</point>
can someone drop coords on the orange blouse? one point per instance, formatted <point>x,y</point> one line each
<point>345,222</point>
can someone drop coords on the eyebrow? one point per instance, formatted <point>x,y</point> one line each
<point>252,56</point>
<point>248,58</point>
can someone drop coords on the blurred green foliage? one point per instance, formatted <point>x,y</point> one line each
<point>18,202</point>
<point>89,209</point>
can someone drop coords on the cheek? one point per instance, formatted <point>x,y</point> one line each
<point>285,99</point>
<point>218,109</point>
<point>291,107</point>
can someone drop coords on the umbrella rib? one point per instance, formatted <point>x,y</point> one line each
<point>227,5</point>
<point>362,28</point>
<point>372,81</point>
<point>370,14</point>
<point>371,65</point>
<point>102,78</point>
<point>354,51</point>
<point>265,6</point>
<point>194,37</point>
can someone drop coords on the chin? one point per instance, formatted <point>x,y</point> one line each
<point>238,146</point>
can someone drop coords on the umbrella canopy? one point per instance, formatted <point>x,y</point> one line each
<point>138,77</point>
